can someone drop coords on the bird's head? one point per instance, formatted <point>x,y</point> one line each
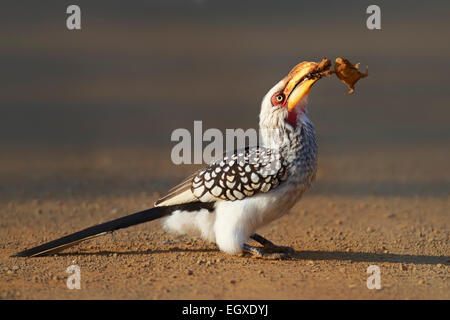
<point>287,100</point>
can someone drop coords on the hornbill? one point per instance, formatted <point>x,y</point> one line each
<point>229,199</point>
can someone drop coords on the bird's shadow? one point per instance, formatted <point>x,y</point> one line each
<point>371,257</point>
<point>298,255</point>
<point>133,252</point>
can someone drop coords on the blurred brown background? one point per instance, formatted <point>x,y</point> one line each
<point>112,93</point>
<point>85,124</point>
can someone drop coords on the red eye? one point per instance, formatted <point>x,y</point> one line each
<point>277,99</point>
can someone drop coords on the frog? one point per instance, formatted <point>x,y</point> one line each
<point>349,73</point>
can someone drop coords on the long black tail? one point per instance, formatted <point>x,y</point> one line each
<point>103,228</point>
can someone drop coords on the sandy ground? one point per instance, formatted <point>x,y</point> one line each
<point>355,216</point>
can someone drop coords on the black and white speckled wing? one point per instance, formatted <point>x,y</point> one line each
<point>235,177</point>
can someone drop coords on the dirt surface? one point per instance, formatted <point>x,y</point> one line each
<point>338,229</point>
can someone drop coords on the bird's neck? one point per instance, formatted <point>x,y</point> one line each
<point>287,134</point>
<point>293,117</point>
<point>297,146</point>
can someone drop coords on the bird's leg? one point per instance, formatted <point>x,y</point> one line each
<point>262,240</point>
<point>270,250</point>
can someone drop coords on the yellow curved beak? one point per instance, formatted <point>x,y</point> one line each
<point>297,87</point>
<point>300,91</point>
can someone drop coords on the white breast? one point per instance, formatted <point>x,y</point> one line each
<point>233,222</point>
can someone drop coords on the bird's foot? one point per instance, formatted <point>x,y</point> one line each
<point>270,252</point>
<point>287,250</point>
<point>269,245</point>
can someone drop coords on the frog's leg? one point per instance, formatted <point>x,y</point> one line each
<point>367,71</point>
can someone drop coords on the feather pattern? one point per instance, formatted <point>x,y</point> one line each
<point>250,171</point>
